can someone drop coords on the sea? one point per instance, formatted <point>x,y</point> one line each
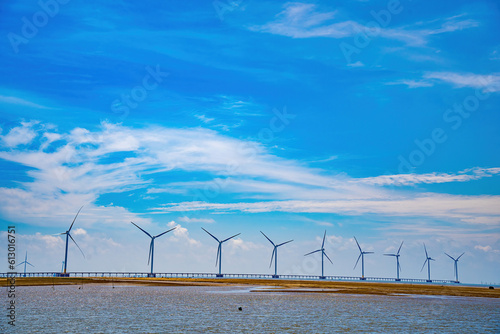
<point>214,309</point>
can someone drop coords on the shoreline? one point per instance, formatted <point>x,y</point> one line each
<point>282,285</point>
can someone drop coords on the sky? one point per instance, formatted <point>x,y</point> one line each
<point>374,119</point>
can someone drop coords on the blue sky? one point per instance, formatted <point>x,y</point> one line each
<point>377,119</point>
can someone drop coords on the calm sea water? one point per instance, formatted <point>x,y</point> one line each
<point>148,309</point>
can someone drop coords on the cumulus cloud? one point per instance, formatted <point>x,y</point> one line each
<point>181,234</point>
<point>20,135</point>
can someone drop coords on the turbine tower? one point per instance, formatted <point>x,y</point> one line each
<point>25,262</point>
<point>456,265</point>
<point>428,260</point>
<point>275,255</point>
<point>152,246</point>
<point>68,236</point>
<point>219,250</point>
<point>362,256</point>
<point>323,253</point>
<point>398,267</point>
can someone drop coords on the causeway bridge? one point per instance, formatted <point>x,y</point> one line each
<point>111,274</point>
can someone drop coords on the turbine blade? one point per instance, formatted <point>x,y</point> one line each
<point>20,264</point>
<point>426,255</point>
<point>358,244</point>
<point>327,257</point>
<point>267,238</point>
<point>149,235</point>
<point>150,250</point>
<point>30,264</point>
<point>359,257</point>
<point>390,254</point>
<point>450,256</point>
<point>75,219</point>
<point>272,257</point>
<point>318,250</point>
<point>460,256</point>
<point>76,245</point>
<point>368,252</point>
<point>399,267</point>
<point>283,243</point>
<point>231,237</point>
<point>159,235</point>
<point>400,247</point>
<point>424,264</point>
<point>218,251</point>
<point>323,243</point>
<point>210,234</point>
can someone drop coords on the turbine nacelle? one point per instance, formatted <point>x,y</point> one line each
<point>152,243</point>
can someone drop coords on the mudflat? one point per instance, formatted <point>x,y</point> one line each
<point>276,285</point>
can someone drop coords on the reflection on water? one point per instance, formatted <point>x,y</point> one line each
<point>149,309</point>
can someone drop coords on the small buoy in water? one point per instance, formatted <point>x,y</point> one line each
<point>240,308</point>
<point>491,287</point>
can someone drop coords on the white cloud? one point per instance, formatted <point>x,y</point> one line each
<point>181,234</point>
<point>486,249</point>
<point>356,64</point>
<point>21,102</point>
<point>412,83</point>
<point>20,135</point>
<point>422,205</point>
<point>430,178</point>
<point>79,231</point>
<point>490,82</point>
<point>299,20</point>
<point>72,174</point>
<point>304,20</point>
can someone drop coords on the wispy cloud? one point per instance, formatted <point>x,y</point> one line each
<point>490,83</point>
<point>422,205</point>
<point>77,171</point>
<point>430,178</point>
<point>412,83</point>
<point>303,20</point>
<point>196,220</point>
<point>21,102</point>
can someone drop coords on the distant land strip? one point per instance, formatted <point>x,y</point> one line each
<point>270,285</point>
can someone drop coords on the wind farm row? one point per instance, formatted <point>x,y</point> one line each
<point>274,254</point>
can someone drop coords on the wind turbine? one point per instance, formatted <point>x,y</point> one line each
<point>68,236</point>
<point>323,253</point>
<point>219,250</point>
<point>25,262</point>
<point>456,265</point>
<point>152,246</point>
<point>362,256</point>
<point>398,267</point>
<point>428,260</point>
<point>275,254</point>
